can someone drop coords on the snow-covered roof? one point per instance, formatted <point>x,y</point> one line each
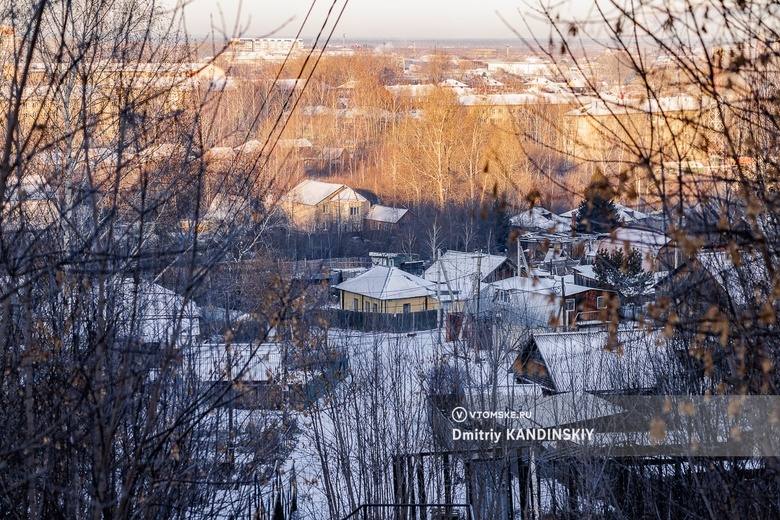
<point>225,207</point>
<point>388,283</point>
<point>584,361</point>
<point>242,361</point>
<point>626,214</point>
<point>294,143</point>
<point>329,153</point>
<point>452,83</point>
<point>548,286</point>
<point>572,288</point>
<point>525,284</point>
<point>646,241</point>
<point>540,219</point>
<point>251,146</point>
<point>461,268</point>
<point>679,103</point>
<point>554,254</point>
<point>290,83</point>
<point>586,270</point>
<point>386,214</point>
<point>603,107</point>
<point>153,313</point>
<point>220,153</point>
<point>311,193</point>
<point>33,186</point>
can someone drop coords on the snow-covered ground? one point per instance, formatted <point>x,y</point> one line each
<point>348,440</point>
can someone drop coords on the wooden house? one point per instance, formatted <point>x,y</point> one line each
<point>387,290</point>
<point>316,206</point>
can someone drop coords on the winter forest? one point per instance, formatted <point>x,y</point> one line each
<point>292,277</point>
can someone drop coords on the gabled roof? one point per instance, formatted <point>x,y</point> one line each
<point>388,283</point>
<point>585,361</point>
<point>541,219</point>
<point>460,269</point>
<point>386,214</point>
<point>311,193</point>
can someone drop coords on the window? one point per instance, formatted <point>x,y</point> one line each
<point>600,303</point>
<point>354,211</point>
<point>375,307</point>
<point>367,306</point>
<point>570,305</point>
<point>355,304</point>
<point>325,208</point>
<point>407,308</point>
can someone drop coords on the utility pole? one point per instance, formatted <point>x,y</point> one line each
<point>438,293</point>
<point>521,258</point>
<point>475,318</point>
<point>565,310</point>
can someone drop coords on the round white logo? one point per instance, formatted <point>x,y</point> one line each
<point>459,414</point>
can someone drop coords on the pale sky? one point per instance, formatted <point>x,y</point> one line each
<point>384,19</point>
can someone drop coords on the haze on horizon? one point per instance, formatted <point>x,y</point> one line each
<point>399,19</point>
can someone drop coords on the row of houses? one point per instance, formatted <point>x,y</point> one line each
<point>477,284</point>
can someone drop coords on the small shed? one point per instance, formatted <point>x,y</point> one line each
<point>384,218</point>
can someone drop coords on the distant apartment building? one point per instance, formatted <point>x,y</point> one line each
<point>667,129</point>
<point>268,45</point>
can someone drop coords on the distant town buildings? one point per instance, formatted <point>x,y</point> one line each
<point>268,45</point>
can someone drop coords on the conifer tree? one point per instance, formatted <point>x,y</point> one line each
<point>597,213</point>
